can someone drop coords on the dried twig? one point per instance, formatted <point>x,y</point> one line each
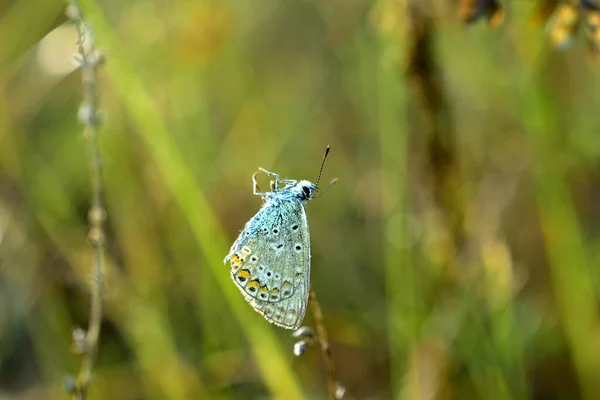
<point>324,342</point>
<point>89,60</point>
<point>336,391</point>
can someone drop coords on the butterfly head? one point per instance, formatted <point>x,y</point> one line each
<point>303,190</point>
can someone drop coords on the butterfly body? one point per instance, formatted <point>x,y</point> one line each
<point>270,259</point>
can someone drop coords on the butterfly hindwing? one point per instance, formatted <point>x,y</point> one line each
<point>270,262</point>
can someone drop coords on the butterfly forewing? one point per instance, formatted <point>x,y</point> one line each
<point>270,262</point>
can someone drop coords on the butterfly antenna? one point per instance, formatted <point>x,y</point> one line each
<point>333,182</point>
<point>323,163</point>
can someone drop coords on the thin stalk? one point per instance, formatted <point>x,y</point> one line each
<point>332,384</point>
<point>90,60</point>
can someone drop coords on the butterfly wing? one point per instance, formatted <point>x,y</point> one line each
<point>270,263</point>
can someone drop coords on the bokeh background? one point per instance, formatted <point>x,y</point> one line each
<point>457,257</point>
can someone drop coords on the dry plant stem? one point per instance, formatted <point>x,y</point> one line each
<point>324,342</point>
<point>89,61</point>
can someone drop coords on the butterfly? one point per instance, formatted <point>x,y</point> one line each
<point>270,259</point>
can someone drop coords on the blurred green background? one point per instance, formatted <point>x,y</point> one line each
<point>457,257</point>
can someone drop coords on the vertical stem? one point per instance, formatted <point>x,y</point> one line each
<point>391,124</point>
<point>568,260</point>
<point>324,342</point>
<point>89,61</point>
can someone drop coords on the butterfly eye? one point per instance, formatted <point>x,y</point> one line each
<point>295,227</point>
<point>298,247</point>
<point>306,190</point>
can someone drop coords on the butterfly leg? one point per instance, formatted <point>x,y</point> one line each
<point>275,185</point>
<point>255,188</point>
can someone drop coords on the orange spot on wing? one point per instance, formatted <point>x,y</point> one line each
<point>236,262</point>
<point>244,274</point>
